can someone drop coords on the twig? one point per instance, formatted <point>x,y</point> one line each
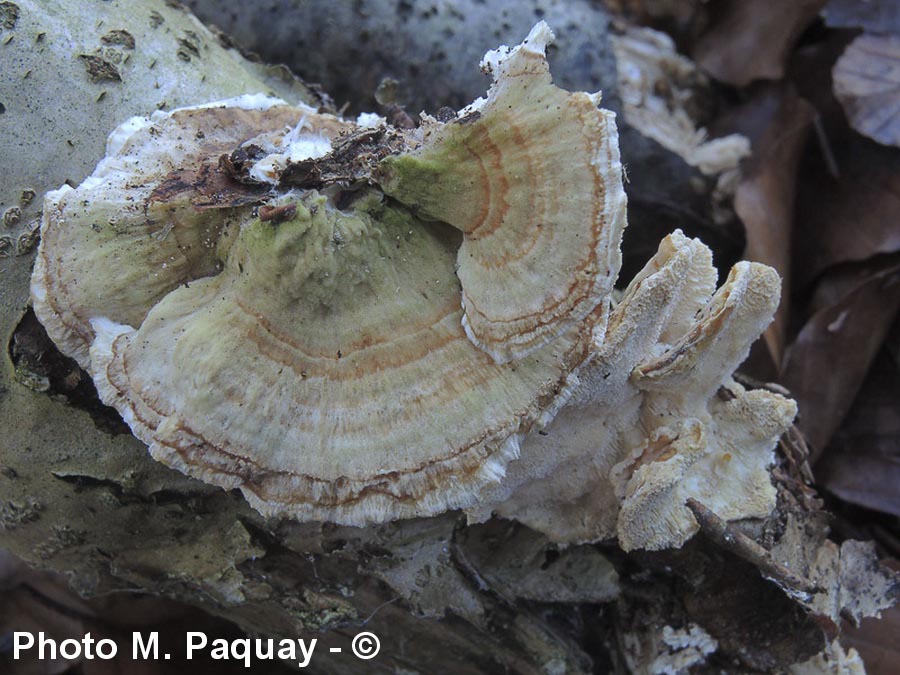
<point>735,541</point>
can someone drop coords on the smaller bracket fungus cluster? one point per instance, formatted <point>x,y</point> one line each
<point>656,418</point>
<point>356,323</point>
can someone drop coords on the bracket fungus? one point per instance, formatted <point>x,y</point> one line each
<point>357,323</point>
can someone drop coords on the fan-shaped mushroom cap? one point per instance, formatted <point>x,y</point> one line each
<point>341,355</point>
<point>532,177</point>
<point>158,211</point>
<point>325,371</point>
<point>720,450</point>
<point>313,356</point>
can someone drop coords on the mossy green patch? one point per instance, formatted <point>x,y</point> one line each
<point>432,181</point>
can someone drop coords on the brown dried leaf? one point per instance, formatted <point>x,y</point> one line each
<point>867,83</point>
<point>754,622</point>
<point>849,186</point>
<point>877,16</point>
<point>751,39</point>
<point>50,588</point>
<point>25,610</point>
<point>778,123</point>
<point>876,641</point>
<point>840,340</point>
<point>644,11</point>
<point>757,627</point>
<point>810,72</point>
<point>862,465</point>
<point>682,19</point>
<point>848,218</point>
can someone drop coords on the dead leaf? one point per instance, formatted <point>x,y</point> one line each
<point>682,19</point>
<point>828,362</point>
<point>36,601</point>
<point>809,71</point>
<point>23,610</point>
<point>848,218</point>
<point>862,465</point>
<point>778,123</point>
<point>848,193</point>
<point>643,11</point>
<point>753,619</point>
<point>876,16</point>
<point>752,39</point>
<point>867,83</point>
<point>876,641</point>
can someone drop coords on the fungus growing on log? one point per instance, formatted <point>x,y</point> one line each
<point>656,418</point>
<point>531,176</point>
<point>358,323</point>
